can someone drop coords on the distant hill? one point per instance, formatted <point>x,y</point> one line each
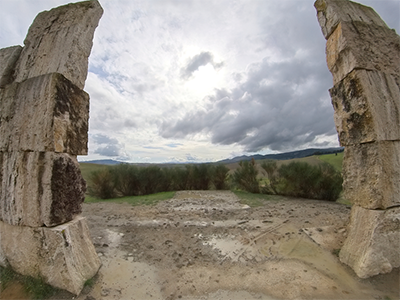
<point>103,162</point>
<point>279,156</point>
<point>285,156</point>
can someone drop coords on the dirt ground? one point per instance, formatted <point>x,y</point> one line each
<point>207,245</point>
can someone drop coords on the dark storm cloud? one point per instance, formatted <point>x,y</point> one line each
<point>202,59</point>
<point>280,105</point>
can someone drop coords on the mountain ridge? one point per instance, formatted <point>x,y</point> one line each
<point>278,156</point>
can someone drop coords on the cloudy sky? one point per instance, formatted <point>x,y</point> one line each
<point>202,80</point>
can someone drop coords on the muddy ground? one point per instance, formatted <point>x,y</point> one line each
<point>207,245</point>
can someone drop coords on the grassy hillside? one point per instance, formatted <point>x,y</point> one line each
<point>87,168</point>
<point>334,160</point>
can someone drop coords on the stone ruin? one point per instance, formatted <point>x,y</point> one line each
<point>44,123</point>
<point>363,55</point>
<point>43,127</point>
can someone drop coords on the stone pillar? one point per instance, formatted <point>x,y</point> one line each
<point>43,127</point>
<point>363,55</point>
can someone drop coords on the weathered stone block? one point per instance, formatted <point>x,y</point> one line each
<point>367,107</point>
<point>40,188</point>
<point>373,242</point>
<point>63,256</point>
<point>45,113</point>
<point>371,174</point>
<point>331,12</point>
<point>347,50</point>
<point>8,59</point>
<point>60,41</point>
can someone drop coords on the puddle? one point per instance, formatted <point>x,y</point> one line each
<point>283,243</point>
<point>123,279</point>
<point>306,250</point>
<point>227,247</point>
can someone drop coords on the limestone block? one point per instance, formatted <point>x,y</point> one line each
<point>367,107</point>
<point>40,188</point>
<point>60,41</point>
<point>8,59</point>
<point>358,45</point>
<point>45,113</point>
<point>331,12</point>
<point>371,174</point>
<point>373,242</point>
<point>63,256</point>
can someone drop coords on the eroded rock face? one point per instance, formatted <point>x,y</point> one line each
<point>373,243</point>
<point>44,113</point>
<point>60,41</point>
<point>363,55</point>
<point>63,256</point>
<point>43,126</point>
<point>53,197</point>
<point>367,107</point>
<point>346,41</point>
<point>371,174</point>
<point>8,59</point>
<point>332,13</point>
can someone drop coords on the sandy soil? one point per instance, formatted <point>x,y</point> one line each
<point>206,245</point>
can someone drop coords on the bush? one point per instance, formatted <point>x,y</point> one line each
<point>102,184</point>
<point>219,176</point>
<point>245,177</point>
<point>126,180</point>
<point>179,178</point>
<point>271,167</point>
<point>151,179</point>
<point>300,179</point>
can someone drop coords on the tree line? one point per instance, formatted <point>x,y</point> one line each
<point>129,180</point>
<point>298,179</point>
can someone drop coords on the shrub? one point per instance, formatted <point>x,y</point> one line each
<point>129,180</point>
<point>245,177</point>
<point>179,179</point>
<point>271,167</point>
<point>150,180</point>
<point>102,184</point>
<point>219,176</point>
<point>201,177</point>
<point>330,184</point>
<point>126,179</point>
<point>300,179</point>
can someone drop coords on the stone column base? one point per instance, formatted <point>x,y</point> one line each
<point>373,243</point>
<point>64,255</point>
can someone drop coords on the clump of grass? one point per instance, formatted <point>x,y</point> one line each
<point>336,252</point>
<point>90,282</point>
<point>37,288</point>
<point>7,275</point>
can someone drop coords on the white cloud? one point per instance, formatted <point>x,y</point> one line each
<point>254,76</point>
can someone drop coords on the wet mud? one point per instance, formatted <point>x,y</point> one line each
<point>206,245</point>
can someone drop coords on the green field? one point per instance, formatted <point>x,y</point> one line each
<point>87,169</point>
<point>334,160</point>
